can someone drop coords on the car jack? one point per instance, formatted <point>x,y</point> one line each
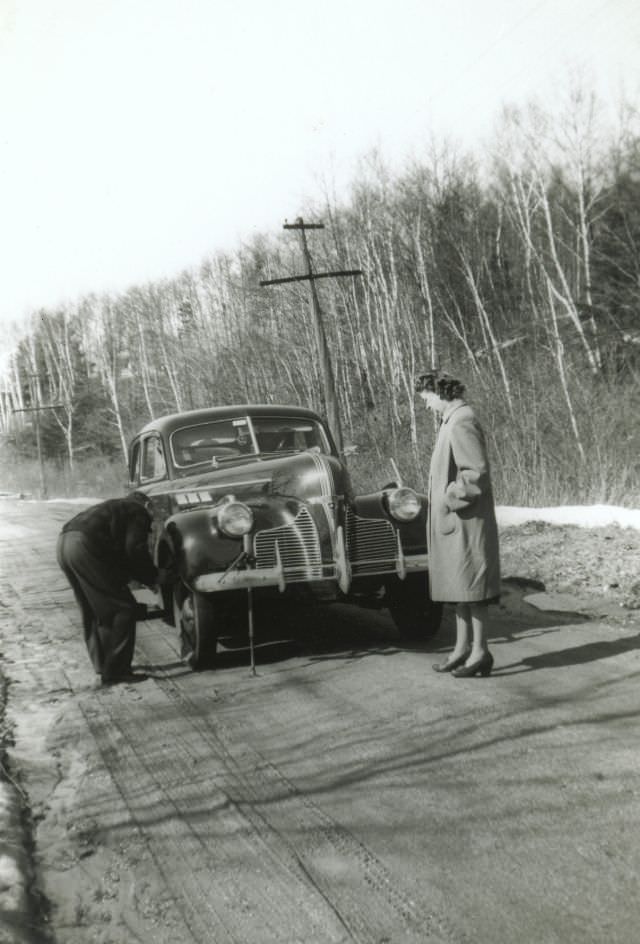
<point>246,560</point>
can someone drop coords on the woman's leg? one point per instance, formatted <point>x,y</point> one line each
<point>463,630</point>
<point>478,614</point>
<point>463,635</point>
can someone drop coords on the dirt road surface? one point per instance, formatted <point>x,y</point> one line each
<point>346,793</point>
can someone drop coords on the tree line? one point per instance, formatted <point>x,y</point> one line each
<point>519,270</point>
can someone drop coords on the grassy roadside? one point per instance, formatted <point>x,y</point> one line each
<point>94,478</point>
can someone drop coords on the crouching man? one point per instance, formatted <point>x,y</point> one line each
<point>100,551</point>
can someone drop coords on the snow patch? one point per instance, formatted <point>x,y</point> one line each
<point>585,516</point>
<point>15,532</point>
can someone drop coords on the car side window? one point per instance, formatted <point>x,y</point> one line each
<point>153,461</point>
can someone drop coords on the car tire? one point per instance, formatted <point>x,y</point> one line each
<point>195,618</point>
<point>415,625</point>
<point>415,615</point>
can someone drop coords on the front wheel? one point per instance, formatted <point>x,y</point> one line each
<point>412,610</point>
<point>196,619</point>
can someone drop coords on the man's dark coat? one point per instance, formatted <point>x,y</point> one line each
<point>100,550</point>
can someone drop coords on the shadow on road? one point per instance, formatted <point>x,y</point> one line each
<point>575,655</point>
<point>347,632</point>
<point>317,633</point>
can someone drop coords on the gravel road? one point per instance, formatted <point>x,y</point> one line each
<point>346,793</point>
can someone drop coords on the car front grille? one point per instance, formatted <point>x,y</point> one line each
<point>298,547</point>
<point>372,545</point>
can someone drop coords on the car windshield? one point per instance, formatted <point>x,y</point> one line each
<point>288,434</point>
<point>220,441</point>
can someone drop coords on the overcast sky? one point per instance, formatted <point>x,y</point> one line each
<point>137,136</point>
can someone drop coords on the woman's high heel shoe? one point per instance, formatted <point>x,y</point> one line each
<point>481,666</point>
<point>453,664</point>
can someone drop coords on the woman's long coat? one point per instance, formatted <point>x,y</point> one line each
<point>464,563</point>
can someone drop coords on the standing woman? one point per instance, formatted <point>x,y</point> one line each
<point>464,563</point>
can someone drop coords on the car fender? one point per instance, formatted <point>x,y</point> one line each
<point>413,534</point>
<point>192,544</point>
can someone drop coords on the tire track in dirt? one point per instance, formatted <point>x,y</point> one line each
<point>178,795</point>
<point>349,876</point>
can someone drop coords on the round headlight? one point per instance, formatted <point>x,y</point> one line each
<point>404,504</point>
<point>235,519</point>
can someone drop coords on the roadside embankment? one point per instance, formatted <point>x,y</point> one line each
<point>15,866</point>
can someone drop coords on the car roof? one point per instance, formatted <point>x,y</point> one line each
<point>172,421</point>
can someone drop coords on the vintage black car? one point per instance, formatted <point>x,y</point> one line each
<point>255,501</point>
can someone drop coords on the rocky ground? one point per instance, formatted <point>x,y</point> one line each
<point>601,566</point>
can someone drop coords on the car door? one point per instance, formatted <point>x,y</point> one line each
<point>149,471</point>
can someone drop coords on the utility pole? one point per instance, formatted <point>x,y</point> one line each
<point>37,409</point>
<point>185,332</point>
<point>328,378</point>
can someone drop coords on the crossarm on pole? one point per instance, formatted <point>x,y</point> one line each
<point>311,277</point>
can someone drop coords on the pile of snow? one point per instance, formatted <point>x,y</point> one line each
<point>586,516</point>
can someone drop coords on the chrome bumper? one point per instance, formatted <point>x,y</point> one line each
<point>241,580</point>
<point>277,576</point>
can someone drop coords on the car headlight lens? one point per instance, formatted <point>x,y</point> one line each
<point>235,519</point>
<point>404,504</point>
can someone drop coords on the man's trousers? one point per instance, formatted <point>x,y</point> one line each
<point>108,607</point>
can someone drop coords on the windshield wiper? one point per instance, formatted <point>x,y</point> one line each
<point>279,452</point>
<point>220,460</point>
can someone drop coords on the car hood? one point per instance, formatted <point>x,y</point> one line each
<point>306,476</point>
